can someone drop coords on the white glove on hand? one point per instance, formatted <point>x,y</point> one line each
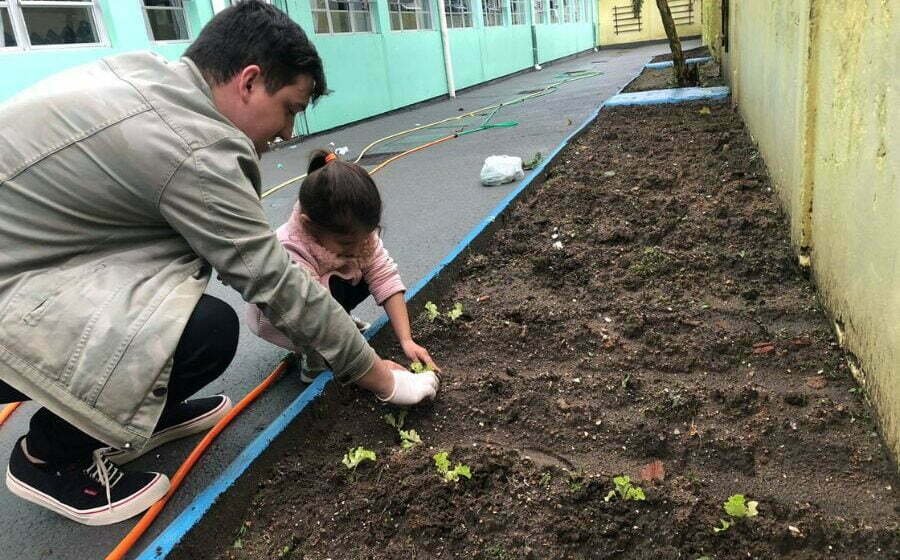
<point>412,388</point>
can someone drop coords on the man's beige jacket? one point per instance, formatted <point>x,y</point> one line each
<point>121,186</point>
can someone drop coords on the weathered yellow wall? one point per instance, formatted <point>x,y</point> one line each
<point>766,66</point>
<point>856,204</point>
<point>817,84</point>
<point>651,23</point>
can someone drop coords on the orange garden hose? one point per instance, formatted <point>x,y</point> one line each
<point>7,410</point>
<point>138,530</point>
<point>378,167</point>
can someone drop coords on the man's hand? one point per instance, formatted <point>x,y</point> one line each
<point>412,388</point>
<point>392,383</point>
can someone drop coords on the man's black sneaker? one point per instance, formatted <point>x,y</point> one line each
<point>93,492</point>
<point>188,418</point>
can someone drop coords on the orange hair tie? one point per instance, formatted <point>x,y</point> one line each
<point>330,157</point>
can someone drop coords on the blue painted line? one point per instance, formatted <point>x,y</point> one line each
<point>664,96</point>
<point>179,527</point>
<point>669,63</point>
<point>166,541</point>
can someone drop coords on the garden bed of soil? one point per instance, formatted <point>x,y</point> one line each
<point>696,52</point>
<point>709,74</point>
<point>641,304</point>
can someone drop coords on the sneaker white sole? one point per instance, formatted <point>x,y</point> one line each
<point>178,431</point>
<point>125,508</point>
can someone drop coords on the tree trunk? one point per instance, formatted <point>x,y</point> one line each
<point>681,70</point>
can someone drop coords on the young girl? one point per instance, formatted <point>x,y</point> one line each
<point>334,233</point>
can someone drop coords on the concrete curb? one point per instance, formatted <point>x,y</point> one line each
<point>669,63</point>
<point>667,96</point>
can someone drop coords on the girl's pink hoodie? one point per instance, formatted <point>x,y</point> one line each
<point>378,270</point>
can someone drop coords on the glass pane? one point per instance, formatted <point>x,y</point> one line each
<point>424,20</point>
<point>7,36</point>
<point>340,22</point>
<point>59,25</point>
<point>395,21</point>
<point>163,3</point>
<point>320,5</point>
<point>168,25</point>
<point>321,22</point>
<point>361,21</point>
<point>409,20</point>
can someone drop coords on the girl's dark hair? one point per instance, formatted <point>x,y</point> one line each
<point>252,32</point>
<point>340,197</point>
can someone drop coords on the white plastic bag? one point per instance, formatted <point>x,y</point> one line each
<point>501,169</point>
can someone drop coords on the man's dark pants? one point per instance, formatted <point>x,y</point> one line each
<point>204,351</point>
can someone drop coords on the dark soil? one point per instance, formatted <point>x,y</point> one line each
<point>663,78</point>
<point>697,52</point>
<point>673,324</point>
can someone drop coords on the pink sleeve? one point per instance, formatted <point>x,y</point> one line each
<point>261,327</point>
<point>382,275</point>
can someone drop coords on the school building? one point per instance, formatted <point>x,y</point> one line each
<point>379,55</point>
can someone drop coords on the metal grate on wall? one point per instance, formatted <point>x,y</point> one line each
<point>682,11</point>
<point>624,19</point>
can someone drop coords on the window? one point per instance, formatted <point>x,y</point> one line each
<point>410,14</point>
<point>166,20</point>
<point>459,13</point>
<point>570,11</point>
<point>540,12</point>
<point>554,11</point>
<point>341,16</point>
<point>517,10</point>
<point>492,10</point>
<point>7,33</point>
<point>39,23</point>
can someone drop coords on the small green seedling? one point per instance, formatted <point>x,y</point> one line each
<point>625,490</point>
<point>738,507</point>
<point>456,312</point>
<point>431,311</point>
<point>419,367</point>
<point>396,420</point>
<point>442,462</point>
<point>409,438</point>
<point>354,457</point>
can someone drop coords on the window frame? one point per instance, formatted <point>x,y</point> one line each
<point>187,23</point>
<point>313,9</point>
<point>499,18</point>
<point>468,12</point>
<point>428,4</point>
<point>522,12</point>
<point>23,38</point>
<point>540,15</point>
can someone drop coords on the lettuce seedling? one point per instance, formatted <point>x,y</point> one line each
<point>738,507</point>
<point>354,457</point>
<point>396,420</point>
<point>625,490</point>
<point>409,438</point>
<point>456,312</point>
<point>431,311</point>
<point>419,367</point>
<point>442,462</point>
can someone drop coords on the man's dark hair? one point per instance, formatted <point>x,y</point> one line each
<point>252,32</point>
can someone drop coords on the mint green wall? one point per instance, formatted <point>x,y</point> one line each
<point>368,73</point>
<point>126,30</point>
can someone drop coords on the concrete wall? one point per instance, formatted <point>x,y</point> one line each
<point>651,28</point>
<point>816,83</point>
